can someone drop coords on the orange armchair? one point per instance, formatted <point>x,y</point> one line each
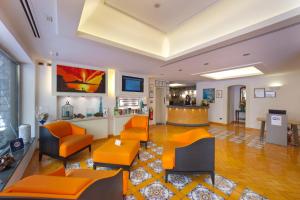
<point>81,184</point>
<point>137,128</point>
<point>190,152</point>
<point>62,139</point>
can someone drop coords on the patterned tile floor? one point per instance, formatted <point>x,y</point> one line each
<point>147,181</point>
<point>246,168</point>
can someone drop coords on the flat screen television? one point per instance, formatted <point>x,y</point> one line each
<point>132,84</point>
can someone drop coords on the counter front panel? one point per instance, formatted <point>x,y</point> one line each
<point>187,116</point>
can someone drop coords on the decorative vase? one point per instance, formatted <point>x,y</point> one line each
<point>100,107</point>
<point>67,111</point>
<point>25,132</point>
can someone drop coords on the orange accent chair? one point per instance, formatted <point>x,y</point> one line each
<point>63,139</point>
<point>190,152</point>
<point>137,128</point>
<point>81,184</point>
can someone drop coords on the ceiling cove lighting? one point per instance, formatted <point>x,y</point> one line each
<point>234,73</point>
<point>175,85</point>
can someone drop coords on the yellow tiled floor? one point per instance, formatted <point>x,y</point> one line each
<point>272,171</point>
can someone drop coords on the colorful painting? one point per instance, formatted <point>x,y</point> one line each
<point>209,95</point>
<point>79,80</point>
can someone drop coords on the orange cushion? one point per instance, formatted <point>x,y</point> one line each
<point>72,143</point>
<point>60,128</point>
<point>139,122</point>
<point>135,134</point>
<point>50,185</point>
<point>113,154</point>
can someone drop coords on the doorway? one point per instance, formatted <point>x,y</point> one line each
<point>160,106</point>
<point>237,104</point>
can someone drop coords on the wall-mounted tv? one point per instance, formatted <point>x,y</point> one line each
<point>132,84</point>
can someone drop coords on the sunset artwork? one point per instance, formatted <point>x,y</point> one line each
<point>74,79</point>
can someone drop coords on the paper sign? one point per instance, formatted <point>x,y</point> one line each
<point>276,120</point>
<point>118,142</point>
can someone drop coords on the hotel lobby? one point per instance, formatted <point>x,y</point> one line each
<point>155,100</point>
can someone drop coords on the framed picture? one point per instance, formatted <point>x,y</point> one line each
<point>219,93</point>
<point>270,94</point>
<point>259,92</point>
<point>209,95</point>
<point>72,80</point>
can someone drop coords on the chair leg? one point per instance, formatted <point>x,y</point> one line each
<point>212,176</point>
<point>90,148</point>
<point>65,162</point>
<point>40,156</point>
<point>146,146</point>
<point>166,176</point>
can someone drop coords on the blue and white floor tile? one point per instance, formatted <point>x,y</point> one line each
<point>223,184</point>
<point>156,166</point>
<point>179,181</point>
<point>139,175</point>
<point>156,191</point>
<point>200,192</point>
<point>250,195</point>
<point>144,156</point>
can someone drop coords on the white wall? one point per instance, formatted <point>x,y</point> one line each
<point>288,97</point>
<point>45,100</point>
<point>27,86</point>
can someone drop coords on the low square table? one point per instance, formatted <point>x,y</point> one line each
<point>113,156</point>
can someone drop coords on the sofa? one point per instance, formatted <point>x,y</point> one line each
<point>137,128</point>
<point>190,152</point>
<point>79,184</point>
<point>63,139</point>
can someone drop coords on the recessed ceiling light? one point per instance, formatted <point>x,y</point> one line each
<point>180,70</point>
<point>157,5</point>
<point>234,73</point>
<point>175,84</point>
<point>205,63</point>
<point>246,54</point>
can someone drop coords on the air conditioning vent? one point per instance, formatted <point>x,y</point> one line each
<point>30,18</point>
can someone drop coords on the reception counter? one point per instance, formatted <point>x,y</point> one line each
<point>187,115</point>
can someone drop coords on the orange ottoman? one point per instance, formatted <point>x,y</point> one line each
<point>111,155</point>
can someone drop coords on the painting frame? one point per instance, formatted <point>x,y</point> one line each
<point>259,93</point>
<point>270,94</point>
<point>219,94</point>
<point>54,80</point>
<point>209,95</point>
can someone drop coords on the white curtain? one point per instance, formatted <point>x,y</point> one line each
<point>9,105</point>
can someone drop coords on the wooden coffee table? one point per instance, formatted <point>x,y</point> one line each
<point>113,156</point>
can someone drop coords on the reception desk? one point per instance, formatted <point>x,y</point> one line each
<point>187,115</point>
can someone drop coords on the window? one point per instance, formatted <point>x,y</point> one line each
<point>9,101</point>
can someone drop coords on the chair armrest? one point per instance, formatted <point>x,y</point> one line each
<point>128,125</point>
<point>49,143</point>
<point>77,130</point>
